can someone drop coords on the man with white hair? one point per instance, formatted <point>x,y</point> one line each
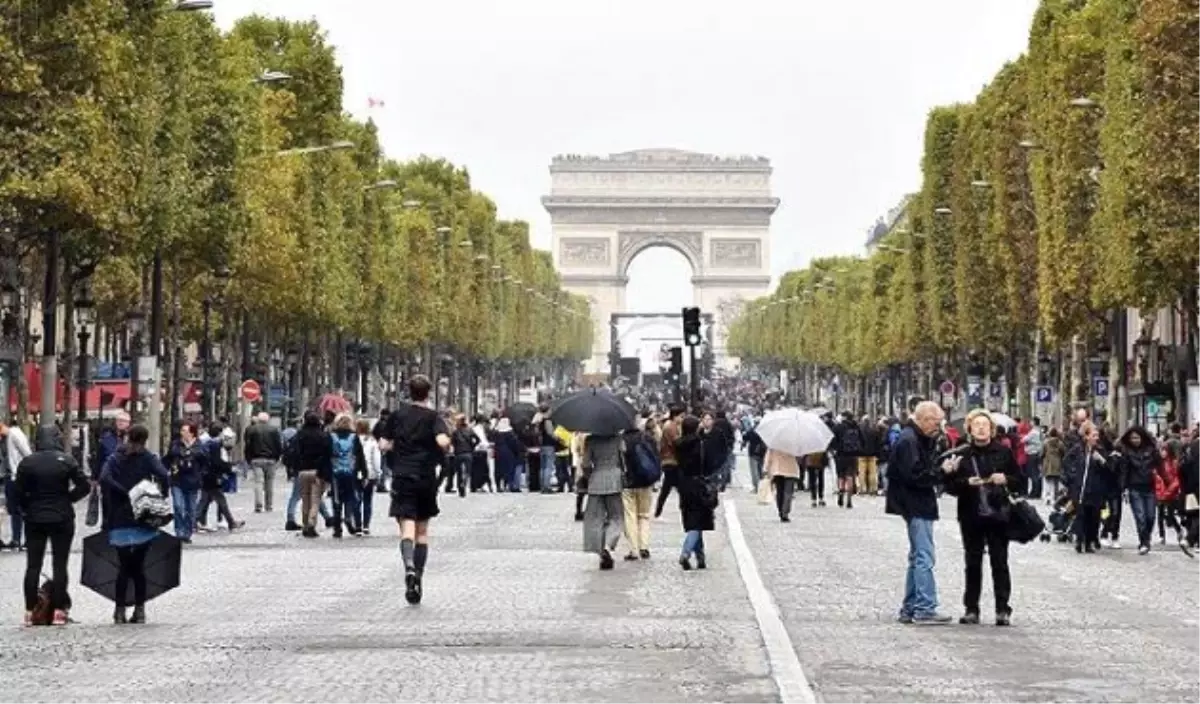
<point>263,445</point>
<point>912,495</point>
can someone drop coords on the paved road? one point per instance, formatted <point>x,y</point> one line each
<point>514,612</point>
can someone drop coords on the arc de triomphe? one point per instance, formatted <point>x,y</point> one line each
<point>715,211</point>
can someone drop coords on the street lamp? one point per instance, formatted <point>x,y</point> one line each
<point>1084,102</point>
<point>192,5</point>
<point>271,77</point>
<point>85,315</point>
<point>335,146</point>
<point>380,185</point>
<point>221,274</point>
<point>980,183</point>
<point>135,323</point>
<point>942,211</point>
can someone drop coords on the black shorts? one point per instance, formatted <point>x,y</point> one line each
<point>414,498</point>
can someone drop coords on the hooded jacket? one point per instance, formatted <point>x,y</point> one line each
<point>49,481</point>
<point>1138,465</point>
<point>123,471</point>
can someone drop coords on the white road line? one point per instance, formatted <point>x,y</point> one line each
<point>785,666</point>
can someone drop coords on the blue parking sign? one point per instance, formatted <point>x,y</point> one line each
<point>1045,394</point>
<point>994,390</point>
<point>1100,386</point>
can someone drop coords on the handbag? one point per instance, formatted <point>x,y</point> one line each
<point>149,506</point>
<point>1191,503</point>
<point>1024,523</point>
<point>984,510</point>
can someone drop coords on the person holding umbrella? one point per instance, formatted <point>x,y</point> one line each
<point>126,468</point>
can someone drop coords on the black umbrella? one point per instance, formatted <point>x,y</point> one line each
<point>520,414</point>
<point>594,411</point>
<point>100,566</point>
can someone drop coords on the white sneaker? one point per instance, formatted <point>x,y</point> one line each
<point>1114,545</point>
<point>1144,550</point>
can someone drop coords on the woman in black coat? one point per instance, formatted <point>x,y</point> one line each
<point>1088,475</point>
<point>985,474</point>
<point>697,492</point>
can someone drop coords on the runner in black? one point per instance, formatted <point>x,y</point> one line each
<point>418,438</point>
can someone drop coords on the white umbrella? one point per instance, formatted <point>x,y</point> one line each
<point>1002,420</point>
<point>818,411</point>
<point>794,431</point>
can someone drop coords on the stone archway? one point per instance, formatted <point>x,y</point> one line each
<point>715,211</point>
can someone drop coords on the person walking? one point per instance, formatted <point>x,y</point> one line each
<point>604,515</point>
<point>756,452</point>
<point>14,447</point>
<point>217,468</point>
<point>129,466</point>
<point>374,460</point>
<point>912,495</point>
<point>347,472</point>
<point>666,453</point>
<point>848,446</point>
<point>313,456</point>
<point>642,469</point>
<point>814,466</point>
<point>1086,473</point>
<point>187,463</point>
<point>46,484</point>
<point>985,475</point>
<point>698,493</point>
<point>1167,491</point>
<point>418,439</point>
<point>783,472</point>
<point>1035,450</point>
<point>868,460</point>
<point>722,428</point>
<point>510,457</point>
<point>548,449</point>
<point>463,442</point>
<point>263,449</point>
<point>1140,462</point>
<point>1053,450</point>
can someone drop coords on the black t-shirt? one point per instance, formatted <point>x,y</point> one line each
<point>413,431</point>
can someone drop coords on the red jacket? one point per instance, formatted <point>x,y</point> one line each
<point>1166,481</point>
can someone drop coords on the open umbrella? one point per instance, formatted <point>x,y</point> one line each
<point>521,414</point>
<point>594,411</point>
<point>794,431</point>
<point>100,566</point>
<point>1002,420</point>
<point>334,402</point>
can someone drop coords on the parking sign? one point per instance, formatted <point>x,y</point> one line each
<point>1045,394</point>
<point>1100,386</point>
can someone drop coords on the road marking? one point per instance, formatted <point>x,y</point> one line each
<point>785,666</point>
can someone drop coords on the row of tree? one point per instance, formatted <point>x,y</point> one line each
<point>133,128</point>
<point>1065,192</point>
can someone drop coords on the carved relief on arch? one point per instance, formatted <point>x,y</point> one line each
<point>631,243</point>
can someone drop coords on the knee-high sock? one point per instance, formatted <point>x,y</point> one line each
<point>406,553</point>
<point>420,555</point>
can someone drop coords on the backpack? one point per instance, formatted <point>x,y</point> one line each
<point>642,463</point>
<point>343,454</point>
<point>893,435</point>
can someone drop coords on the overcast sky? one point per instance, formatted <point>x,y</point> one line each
<point>834,92</point>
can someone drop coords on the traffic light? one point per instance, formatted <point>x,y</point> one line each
<point>676,361</point>
<point>691,326</point>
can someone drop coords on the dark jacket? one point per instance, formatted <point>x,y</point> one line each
<point>912,476</point>
<point>187,465</point>
<point>983,462</point>
<point>723,429</point>
<point>509,453</point>
<point>1137,465</point>
<point>49,481</point>
<point>123,471</point>
<point>214,468</point>
<point>695,483</point>
<point>262,442</point>
<point>463,441</point>
<point>754,445</point>
<point>313,451</point>
<point>105,448</point>
<point>1088,475</point>
<point>870,438</point>
<point>1189,468</point>
<point>848,440</point>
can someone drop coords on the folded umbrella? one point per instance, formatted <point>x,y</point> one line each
<point>794,431</point>
<point>595,412</point>
<point>100,566</point>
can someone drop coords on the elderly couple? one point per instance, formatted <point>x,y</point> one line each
<point>982,474</point>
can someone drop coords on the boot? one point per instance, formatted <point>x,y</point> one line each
<point>119,615</point>
<point>139,614</point>
<point>291,526</point>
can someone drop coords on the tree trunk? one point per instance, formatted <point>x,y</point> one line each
<point>68,363</point>
<point>23,320</point>
<point>174,361</point>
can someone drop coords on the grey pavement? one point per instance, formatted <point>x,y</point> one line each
<point>1114,626</point>
<point>514,611</point>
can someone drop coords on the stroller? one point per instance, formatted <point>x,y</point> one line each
<point>1061,520</point>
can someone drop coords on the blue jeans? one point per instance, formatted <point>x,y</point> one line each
<point>345,500</point>
<point>548,467</point>
<point>755,471</point>
<point>514,482</point>
<point>294,503</point>
<point>920,588</point>
<point>1033,471</point>
<point>1143,505</point>
<point>367,504</point>
<point>16,519</point>
<point>184,504</point>
<point>727,469</point>
<point>693,543</point>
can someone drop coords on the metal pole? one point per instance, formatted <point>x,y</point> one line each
<point>246,367</point>
<point>135,391</point>
<point>84,380</point>
<point>693,378</point>
<point>209,407</point>
<point>50,331</point>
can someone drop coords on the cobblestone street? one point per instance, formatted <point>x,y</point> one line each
<point>514,612</point>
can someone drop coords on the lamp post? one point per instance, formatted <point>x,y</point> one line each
<point>85,315</point>
<point>11,353</point>
<point>292,357</point>
<point>135,323</point>
<point>210,406</point>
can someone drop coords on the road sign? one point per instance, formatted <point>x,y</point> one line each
<point>994,390</point>
<point>1045,394</point>
<point>250,391</point>
<point>1152,408</point>
<point>1100,386</point>
<point>947,388</point>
